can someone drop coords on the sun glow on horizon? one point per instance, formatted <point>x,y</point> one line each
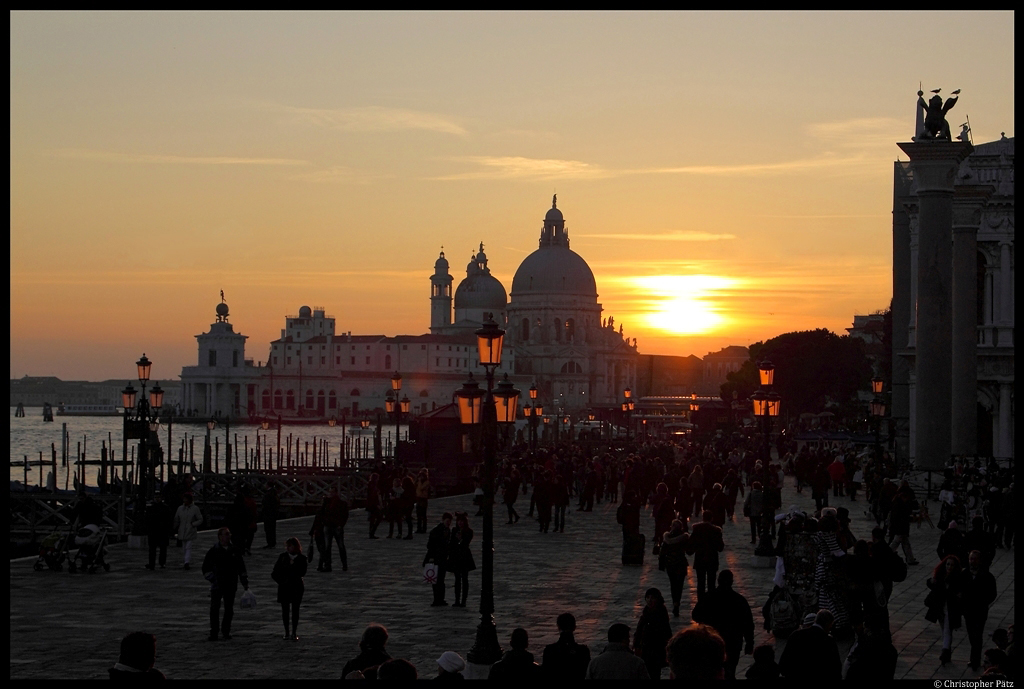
<point>684,304</point>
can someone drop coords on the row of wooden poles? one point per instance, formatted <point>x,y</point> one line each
<point>264,457</point>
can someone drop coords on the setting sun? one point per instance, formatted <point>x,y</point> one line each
<point>684,304</point>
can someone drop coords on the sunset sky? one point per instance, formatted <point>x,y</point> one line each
<point>727,176</point>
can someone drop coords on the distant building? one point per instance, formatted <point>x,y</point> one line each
<point>718,365</point>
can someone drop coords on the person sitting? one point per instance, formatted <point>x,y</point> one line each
<point>565,659</point>
<point>137,657</point>
<point>617,660</point>
<point>371,653</point>
<point>764,667</point>
<point>450,666</point>
<point>696,653</point>
<point>398,669</point>
<point>517,664</point>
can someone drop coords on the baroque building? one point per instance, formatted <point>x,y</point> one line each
<point>555,338</point>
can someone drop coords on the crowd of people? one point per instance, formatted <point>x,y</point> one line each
<point>690,491</point>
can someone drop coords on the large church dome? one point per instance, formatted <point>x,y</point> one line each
<point>554,267</point>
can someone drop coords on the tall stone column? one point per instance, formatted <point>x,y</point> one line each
<point>934,164</point>
<point>902,309</point>
<point>1005,318</point>
<point>1004,449</point>
<point>968,202</point>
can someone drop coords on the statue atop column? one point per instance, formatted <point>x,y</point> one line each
<point>936,127</point>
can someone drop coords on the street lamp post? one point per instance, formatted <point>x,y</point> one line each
<point>878,413</point>
<point>479,407</point>
<point>142,424</point>
<point>627,408</point>
<point>767,404</point>
<point>534,417</point>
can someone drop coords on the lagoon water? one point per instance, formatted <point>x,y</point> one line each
<point>31,435</point>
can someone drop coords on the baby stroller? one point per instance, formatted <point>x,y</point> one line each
<point>92,548</point>
<point>52,552</point>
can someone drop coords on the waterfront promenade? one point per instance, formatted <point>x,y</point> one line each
<point>70,626</point>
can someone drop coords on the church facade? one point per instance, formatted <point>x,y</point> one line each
<point>555,339</point>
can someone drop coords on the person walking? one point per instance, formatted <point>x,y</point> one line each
<point>944,602</point>
<point>729,613</point>
<point>542,496</point>
<point>271,510</point>
<point>830,566</point>
<point>374,504</point>
<point>663,511</point>
<point>705,544</point>
<point>288,572</point>
<point>560,501</point>
<point>317,531</point>
<point>617,660</point>
<point>565,660</point>
<point>653,630</point>
<point>903,505</point>
<point>438,546</point>
<point>811,655</point>
<point>224,567</point>
<point>753,506</point>
<point>672,560</point>
<point>696,484</point>
<point>394,508</point>
<point>422,495</point>
<point>460,558</point>
<point>978,592</point>
<point>158,530</point>
<point>334,529</point>
<point>511,494</point>
<point>408,503</point>
<point>187,520</point>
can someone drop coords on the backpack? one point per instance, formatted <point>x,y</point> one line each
<point>785,615</point>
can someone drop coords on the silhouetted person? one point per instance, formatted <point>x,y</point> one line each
<point>565,659</point>
<point>696,653</point>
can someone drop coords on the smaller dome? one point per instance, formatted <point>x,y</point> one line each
<point>553,216</point>
<point>305,312</point>
<point>222,309</point>
<point>441,264</point>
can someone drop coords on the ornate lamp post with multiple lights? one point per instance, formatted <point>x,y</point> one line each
<point>487,409</point>
<point>627,408</point>
<point>141,422</point>
<point>767,404</point>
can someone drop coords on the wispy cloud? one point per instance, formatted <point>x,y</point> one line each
<point>115,157</point>
<point>523,168</point>
<point>666,237</point>
<point>864,132</point>
<point>518,167</point>
<point>375,118</point>
<point>338,174</point>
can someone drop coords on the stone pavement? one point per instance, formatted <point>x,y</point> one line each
<point>70,626</point>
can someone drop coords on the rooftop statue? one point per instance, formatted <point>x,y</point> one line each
<point>935,125</point>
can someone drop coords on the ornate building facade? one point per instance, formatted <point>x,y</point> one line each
<point>983,295</point>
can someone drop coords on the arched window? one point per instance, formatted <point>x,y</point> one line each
<point>265,402</point>
<point>424,393</point>
<point>570,329</point>
<point>290,400</point>
<point>354,393</point>
<point>332,400</point>
<point>387,362</point>
<point>525,330</point>
<point>558,330</point>
<point>309,399</point>
<point>320,399</point>
<point>571,367</point>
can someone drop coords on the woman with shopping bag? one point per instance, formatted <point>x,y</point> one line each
<point>288,572</point>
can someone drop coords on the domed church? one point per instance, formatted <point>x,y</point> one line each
<point>576,358</point>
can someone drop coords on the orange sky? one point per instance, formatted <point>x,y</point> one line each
<point>726,175</point>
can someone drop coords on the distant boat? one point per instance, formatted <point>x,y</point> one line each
<point>88,410</point>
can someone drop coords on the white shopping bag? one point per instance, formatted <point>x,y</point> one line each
<point>430,573</point>
<point>248,600</point>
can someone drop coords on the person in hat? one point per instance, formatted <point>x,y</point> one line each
<point>450,666</point>
<point>808,620</point>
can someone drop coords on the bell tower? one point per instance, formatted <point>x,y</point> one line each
<point>440,295</point>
